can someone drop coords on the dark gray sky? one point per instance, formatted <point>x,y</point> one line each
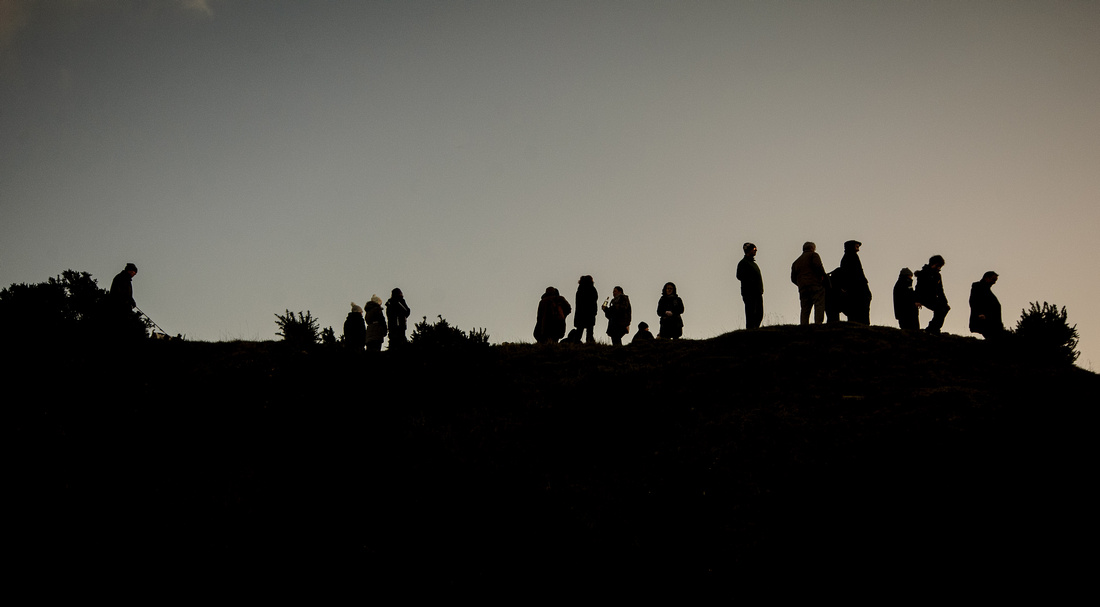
<point>256,156</point>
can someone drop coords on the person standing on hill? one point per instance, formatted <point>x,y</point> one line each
<point>550,325</point>
<point>855,291</point>
<point>121,304</point>
<point>808,273</point>
<point>587,301</point>
<point>670,308</point>
<point>618,316</point>
<point>355,331</point>
<point>985,309</point>
<point>376,324</point>
<point>397,314</point>
<point>906,308</point>
<point>752,287</point>
<point>929,292</point>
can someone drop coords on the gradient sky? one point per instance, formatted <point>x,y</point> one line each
<point>257,156</point>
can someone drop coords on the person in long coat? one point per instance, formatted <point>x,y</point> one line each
<point>856,292</point>
<point>906,308</point>
<point>550,325</point>
<point>669,309</point>
<point>985,308</point>
<point>355,332</point>
<point>588,300</point>
<point>618,316</point>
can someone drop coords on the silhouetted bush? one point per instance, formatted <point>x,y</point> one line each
<point>442,335</point>
<point>1046,333</point>
<point>328,337</point>
<point>65,308</point>
<point>301,331</point>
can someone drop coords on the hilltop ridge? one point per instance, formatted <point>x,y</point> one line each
<point>795,447</point>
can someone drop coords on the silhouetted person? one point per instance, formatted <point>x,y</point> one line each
<point>121,304</point>
<point>588,302</point>
<point>643,334</point>
<point>834,296</point>
<point>752,287</point>
<point>985,309</point>
<point>855,293</point>
<point>553,308</point>
<point>930,292</point>
<point>397,314</point>
<point>355,331</point>
<point>618,316</point>
<point>808,273</point>
<point>906,308</point>
<point>670,308</point>
<point>376,324</point>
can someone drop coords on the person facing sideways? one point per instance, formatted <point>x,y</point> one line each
<point>929,292</point>
<point>752,287</point>
<point>669,309</point>
<point>618,316</point>
<point>355,332</point>
<point>121,323</point>
<point>808,274</point>
<point>376,324</point>
<point>587,301</point>
<point>550,325</point>
<point>397,314</point>
<point>985,309</point>
<point>643,334</point>
<point>906,308</point>
<point>855,292</point>
<point>122,289</point>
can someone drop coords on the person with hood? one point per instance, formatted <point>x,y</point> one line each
<point>397,314</point>
<point>752,287</point>
<point>854,289</point>
<point>587,301</point>
<point>355,332</point>
<point>669,309</point>
<point>929,292</point>
<point>643,335</point>
<point>808,274</point>
<point>906,308</point>
<point>985,309</point>
<point>376,324</point>
<point>550,325</point>
<point>618,316</point>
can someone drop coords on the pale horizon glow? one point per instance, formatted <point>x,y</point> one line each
<point>254,157</point>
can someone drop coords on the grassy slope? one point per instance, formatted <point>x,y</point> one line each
<point>832,448</point>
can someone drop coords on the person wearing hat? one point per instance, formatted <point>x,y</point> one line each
<point>808,274</point>
<point>930,292</point>
<point>355,332</point>
<point>123,323</point>
<point>856,292</point>
<point>752,287</point>
<point>906,308</point>
<point>375,319</point>
<point>985,309</point>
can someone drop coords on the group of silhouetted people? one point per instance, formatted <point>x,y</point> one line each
<point>367,327</point>
<point>554,309</point>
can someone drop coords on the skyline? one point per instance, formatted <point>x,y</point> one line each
<point>256,157</point>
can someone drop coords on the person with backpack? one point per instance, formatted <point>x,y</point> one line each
<point>553,308</point>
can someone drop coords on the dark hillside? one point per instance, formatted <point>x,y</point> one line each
<point>782,449</point>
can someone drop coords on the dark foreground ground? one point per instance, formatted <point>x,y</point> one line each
<point>850,451</point>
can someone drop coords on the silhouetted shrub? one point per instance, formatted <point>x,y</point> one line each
<point>301,331</point>
<point>328,337</point>
<point>442,335</point>
<point>1046,333</point>
<point>66,308</point>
